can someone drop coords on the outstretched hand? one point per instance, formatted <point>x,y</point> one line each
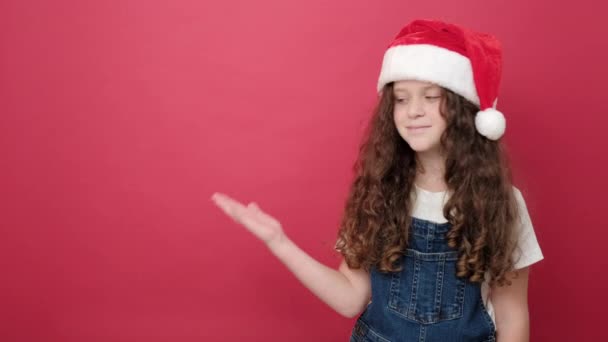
<point>262,225</point>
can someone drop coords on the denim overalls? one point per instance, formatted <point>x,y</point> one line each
<point>425,301</point>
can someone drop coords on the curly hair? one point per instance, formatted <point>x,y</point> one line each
<point>482,207</point>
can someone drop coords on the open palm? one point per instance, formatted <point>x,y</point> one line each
<point>262,225</point>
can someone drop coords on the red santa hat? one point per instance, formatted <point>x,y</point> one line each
<point>466,62</point>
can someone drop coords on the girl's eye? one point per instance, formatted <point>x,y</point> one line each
<point>400,100</point>
<point>432,97</point>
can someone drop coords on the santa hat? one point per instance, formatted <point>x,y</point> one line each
<point>466,62</point>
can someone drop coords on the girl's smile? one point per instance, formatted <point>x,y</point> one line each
<point>417,129</point>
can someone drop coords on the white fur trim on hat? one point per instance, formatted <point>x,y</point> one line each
<point>425,62</point>
<point>490,123</point>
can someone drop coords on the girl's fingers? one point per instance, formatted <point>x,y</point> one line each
<point>238,211</point>
<point>229,206</point>
<point>233,207</point>
<point>251,216</point>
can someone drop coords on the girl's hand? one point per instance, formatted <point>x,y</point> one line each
<point>262,225</point>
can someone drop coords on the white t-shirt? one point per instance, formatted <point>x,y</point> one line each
<point>429,205</point>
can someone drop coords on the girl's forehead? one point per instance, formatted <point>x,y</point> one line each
<point>413,85</point>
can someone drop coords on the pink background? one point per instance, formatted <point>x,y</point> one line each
<point>119,119</point>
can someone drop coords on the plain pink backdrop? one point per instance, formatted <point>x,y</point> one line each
<point>119,119</point>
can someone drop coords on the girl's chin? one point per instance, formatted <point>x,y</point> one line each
<point>422,147</point>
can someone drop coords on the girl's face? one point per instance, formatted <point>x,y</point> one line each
<point>417,114</point>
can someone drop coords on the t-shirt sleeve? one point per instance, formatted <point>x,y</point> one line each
<point>528,250</point>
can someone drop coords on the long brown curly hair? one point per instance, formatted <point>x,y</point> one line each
<point>482,208</point>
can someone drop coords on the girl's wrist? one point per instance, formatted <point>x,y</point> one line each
<point>278,243</point>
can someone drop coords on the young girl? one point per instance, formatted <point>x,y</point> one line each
<point>436,241</point>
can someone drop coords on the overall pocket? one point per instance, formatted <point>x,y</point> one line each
<point>427,289</point>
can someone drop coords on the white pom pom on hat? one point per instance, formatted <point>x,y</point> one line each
<point>490,123</point>
<point>468,63</point>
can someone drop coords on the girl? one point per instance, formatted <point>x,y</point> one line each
<point>436,241</point>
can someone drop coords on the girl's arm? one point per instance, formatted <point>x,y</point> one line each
<point>346,290</point>
<point>511,308</point>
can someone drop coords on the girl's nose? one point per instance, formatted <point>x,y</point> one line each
<point>415,108</point>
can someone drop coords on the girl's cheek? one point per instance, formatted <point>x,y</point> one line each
<point>400,111</point>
